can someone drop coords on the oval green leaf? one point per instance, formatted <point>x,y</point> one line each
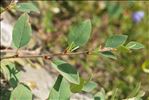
<point>80,34</point>
<point>27,7</point>
<point>60,90</point>
<point>108,54</point>
<point>21,92</point>
<point>116,41</point>
<point>67,71</point>
<point>134,45</point>
<point>21,31</point>
<point>89,86</point>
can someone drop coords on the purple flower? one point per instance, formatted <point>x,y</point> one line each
<point>137,16</point>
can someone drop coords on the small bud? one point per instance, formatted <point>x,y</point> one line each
<point>47,57</point>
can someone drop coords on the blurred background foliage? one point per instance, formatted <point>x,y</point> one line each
<point>108,18</point>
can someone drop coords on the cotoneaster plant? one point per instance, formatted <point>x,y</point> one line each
<point>69,80</point>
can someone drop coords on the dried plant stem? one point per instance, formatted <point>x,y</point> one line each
<point>21,51</point>
<point>46,56</point>
<point>9,7</point>
<point>32,54</point>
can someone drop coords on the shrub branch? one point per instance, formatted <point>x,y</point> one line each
<point>32,54</point>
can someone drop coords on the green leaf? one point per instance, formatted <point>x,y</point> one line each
<point>75,88</point>
<point>100,95</point>
<point>136,94</point>
<point>108,54</point>
<point>60,90</point>
<point>137,97</point>
<point>114,93</point>
<point>135,90</point>
<point>84,85</point>
<point>67,71</point>
<point>89,86</point>
<point>80,34</point>
<point>134,45</point>
<point>10,72</point>
<point>123,49</point>
<point>13,75</point>
<point>22,31</point>
<point>21,92</point>
<point>114,10</point>
<point>27,7</point>
<point>115,41</point>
